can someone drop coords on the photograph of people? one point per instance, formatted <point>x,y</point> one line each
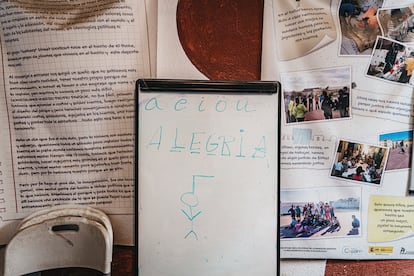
<point>400,144</point>
<point>317,213</point>
<point>317,94</point>
<point>360,162</point>
<point>355,225</point>
<point>392,61</point>
<point>397,23</point>
<point>359,26</point>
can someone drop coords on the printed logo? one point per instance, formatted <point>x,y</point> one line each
<point>380,249</point>
<point>404,251</point>
<point>351,251</point>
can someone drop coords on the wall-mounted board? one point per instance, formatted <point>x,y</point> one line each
<point>207,172</point>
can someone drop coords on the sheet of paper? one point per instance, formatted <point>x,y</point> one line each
<point>390,219</point>
<point>308,25</point>
<point>68,76</point>
<point>302,267</point>
<point>152,17</point>
<point>346,131</point>
<point>169,45</point>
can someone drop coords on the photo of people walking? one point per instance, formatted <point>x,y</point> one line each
<point>400,144</point>
<point>317,95</point>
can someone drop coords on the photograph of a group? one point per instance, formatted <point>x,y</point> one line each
<point>397,23</point>
<point>400,144</point>
<point>359,26</point>
<point>392,61</point>
<point>320,213</point>
<point>360,162</point>
<point>317,95</point>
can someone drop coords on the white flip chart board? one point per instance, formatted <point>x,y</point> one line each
<point>207,177</point>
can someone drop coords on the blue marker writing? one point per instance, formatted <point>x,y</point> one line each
<point>190,199</point>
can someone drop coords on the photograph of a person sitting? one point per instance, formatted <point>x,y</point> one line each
<point>360,162</point>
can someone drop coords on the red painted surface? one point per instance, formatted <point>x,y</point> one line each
<point>222,38</point>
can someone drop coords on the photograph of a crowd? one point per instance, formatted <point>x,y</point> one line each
<point>400,144</point>
<point>359,26</point>
<point>360,162</point>
<point>397,23</point>
<point>320,213</point>
<point>392,61</point>
<point>317,94</point>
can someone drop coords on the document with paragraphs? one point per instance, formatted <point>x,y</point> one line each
<point>345,69</point>
<point>68,71</point>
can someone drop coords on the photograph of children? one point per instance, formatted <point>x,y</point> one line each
<point>400,145</point>
<point>359,26</point>
<point>397,23</point>
<point>317,94</point>
<point>392,61</point>
<point>320,213</point>
<point>360,162</point>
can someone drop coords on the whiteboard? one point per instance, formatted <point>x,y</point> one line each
<point>207,177</point>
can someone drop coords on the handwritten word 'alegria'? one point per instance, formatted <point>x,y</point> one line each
<point>211,144</point>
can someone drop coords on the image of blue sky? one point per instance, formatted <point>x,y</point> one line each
<point>394,136</point>
<point>333,77</point>
<point>321,194</point>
